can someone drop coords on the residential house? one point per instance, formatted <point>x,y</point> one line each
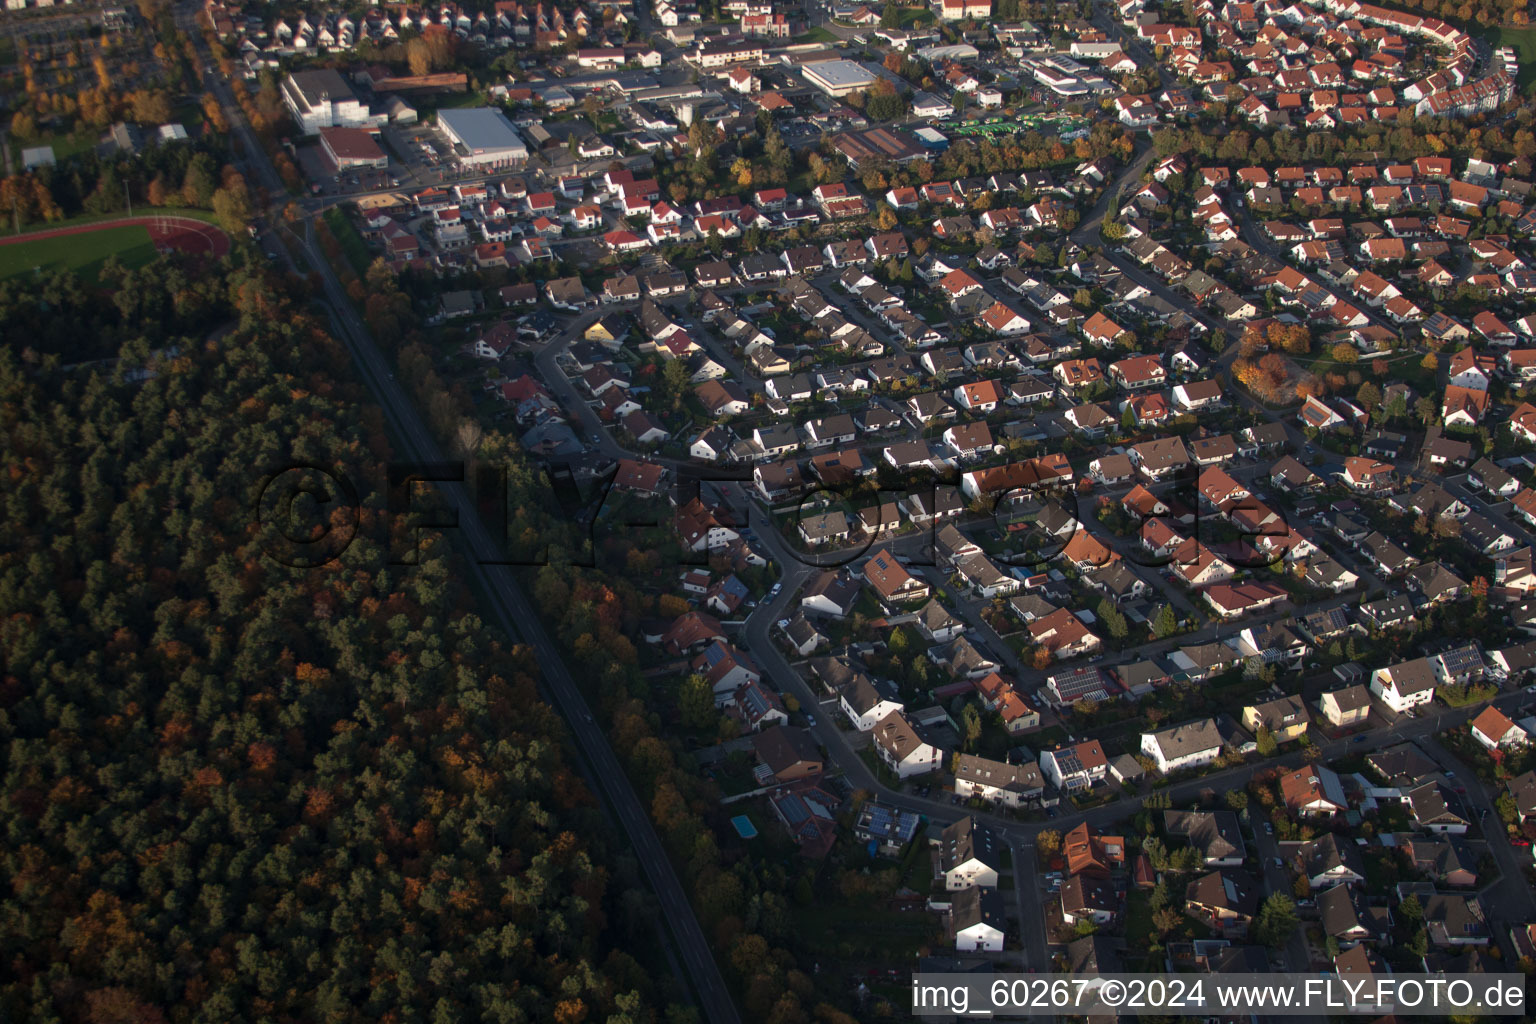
<point>902,749</point>
<point>1226,900</point>
<point>970,854</point>
<point>1346,916</point>
<point>998,782</point>
<point>1216,834</point>
<point>1404,685</point>
<point>1313,790</point>
<point>1076,767</point>
<point>865,706</point>
<point>1285,718</point>
<point>977,915</point>
<point>1330,860</point>
<point>1494,730</point>
<point>1346,707</point>
<point>1189,745</point>
<point>1434,808</point>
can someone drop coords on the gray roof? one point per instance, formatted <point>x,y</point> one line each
<point>1344,913</point>
<point>1352,698</point>
<point>1413,676</point>
<point>1096,954</point>
<point>481,129</point>
<point>1404,763</point>
<point>1326,853</point>
<point>975,905</point>
<point>1216,834</point>
<point>1433,803</point>
<point>1015,778</point>
<point>321,84</point>
<point>968,840</point>
<point>1179,740</point>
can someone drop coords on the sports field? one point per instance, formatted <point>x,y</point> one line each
<point>83,248</point>
<point>82,253</point>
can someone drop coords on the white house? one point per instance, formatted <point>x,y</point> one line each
<point>902,750</point>
<point>1075,767</point>
<point>1183,746</point>
<point>1405,685</point>
<point>996,781</point>
<point>977,917</point>
<point>1493,729</point>
<point>864,705</point>
<point>968,855</point>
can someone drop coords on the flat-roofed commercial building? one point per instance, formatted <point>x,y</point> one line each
<point>483,137</point>
<point>352,147</point>
<point>838,77</point>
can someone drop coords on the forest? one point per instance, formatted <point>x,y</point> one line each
<point>237,791</point>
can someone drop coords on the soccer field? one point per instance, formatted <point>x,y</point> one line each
<point>84,253</point>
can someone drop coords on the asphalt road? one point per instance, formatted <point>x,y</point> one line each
<point>513,610</point>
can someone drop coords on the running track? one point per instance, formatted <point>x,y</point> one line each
<point>184,233</point>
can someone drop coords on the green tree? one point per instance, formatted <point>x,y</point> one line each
<point>970,725</point>
<point>1166,622</point>
<point>1264,740</point>
<point>1277,921</point>
<point>674,376</point>
<point>1113,619</point>
<point>232,208</point>
<point>696,702</point>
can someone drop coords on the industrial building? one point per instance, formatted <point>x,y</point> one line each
<point>877,144</point>
<point>838,77</point>
<point>483,137</point>
<point>352,147</point>
<point>323,99</point>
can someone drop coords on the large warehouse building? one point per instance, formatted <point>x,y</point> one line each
<point>838,77</point>
<point>352,147</point>
<point>483,137</point>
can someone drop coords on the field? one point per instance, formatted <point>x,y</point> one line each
<point>84,254</point>
<point>84,245</point>
<point>816,35</point>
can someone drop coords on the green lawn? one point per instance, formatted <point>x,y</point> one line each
<point>816,35</point>
<point>82,253</point>
<point>1523,41</point>
<point>914,17</point>
<point>64,146</point>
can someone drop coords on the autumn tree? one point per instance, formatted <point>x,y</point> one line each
<point>232,207</point>
<point>213,114</point>
<point>23,126</point>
